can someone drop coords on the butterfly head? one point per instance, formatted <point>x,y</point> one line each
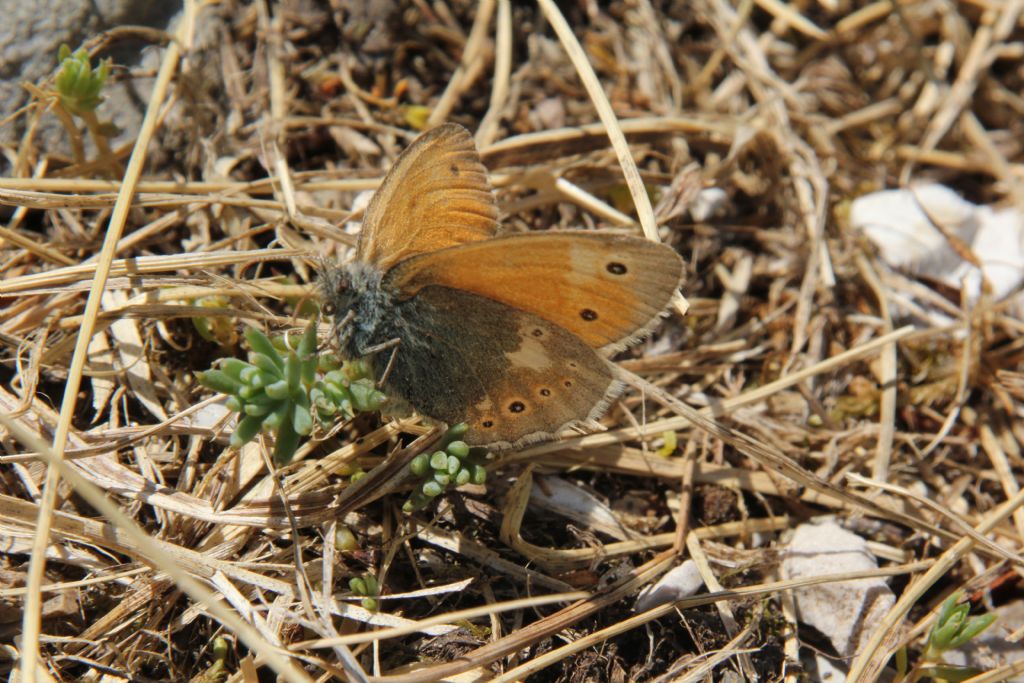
<point>353,296</point>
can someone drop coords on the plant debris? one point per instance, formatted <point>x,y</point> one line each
<point>793,387</point>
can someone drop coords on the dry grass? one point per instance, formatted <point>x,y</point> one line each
<point>791,389</point>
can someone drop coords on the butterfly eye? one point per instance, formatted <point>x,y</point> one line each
<point>329,309</point>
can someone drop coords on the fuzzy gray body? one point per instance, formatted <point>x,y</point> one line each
<point>454,359</point>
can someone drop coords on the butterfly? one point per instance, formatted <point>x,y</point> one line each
<point>510,334</point>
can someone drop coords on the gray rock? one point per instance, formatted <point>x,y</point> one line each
<point>30,36</point>
<point>847,612</point>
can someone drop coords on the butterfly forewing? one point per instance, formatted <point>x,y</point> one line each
<point>436,195</point>
<point>605,289</point>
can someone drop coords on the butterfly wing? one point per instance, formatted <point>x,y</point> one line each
<point>436,195</point>
<point>513,377</point>
<point>606,289</point>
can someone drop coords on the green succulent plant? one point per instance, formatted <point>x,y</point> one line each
<point>453,464</point>
<point>285,386</point>
<point>78,82</point>
<point>219,329</point>
<point>75,91</point>
<point>952,628</point>
<point>217,672</point>
<point>367,587</point>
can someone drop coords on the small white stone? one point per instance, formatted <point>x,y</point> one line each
<point>709,203</point>
<point>848,611</point>
<point>902,224</point>
<point>678,583</point>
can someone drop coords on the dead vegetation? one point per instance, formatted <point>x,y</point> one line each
<point>791,388</point>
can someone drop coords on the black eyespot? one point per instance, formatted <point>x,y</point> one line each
<point>588,314</point>
<point>567,383</point>
<point>545,392</point>
<point>537,332</point>
<point>487,424</point>
<point>454,169</point>
<point>572,364</point>
<point>516,407</point>
<point>616,268</point>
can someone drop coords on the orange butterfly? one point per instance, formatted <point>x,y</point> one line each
<point>508,334</point>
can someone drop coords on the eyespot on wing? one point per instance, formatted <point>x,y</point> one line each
<point>606,289</point>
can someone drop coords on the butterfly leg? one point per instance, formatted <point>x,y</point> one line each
<point>339,325</point>
<point>388,367</point>
<point>392,344</point>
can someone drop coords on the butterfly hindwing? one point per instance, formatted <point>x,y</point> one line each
<point>512,376</point>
